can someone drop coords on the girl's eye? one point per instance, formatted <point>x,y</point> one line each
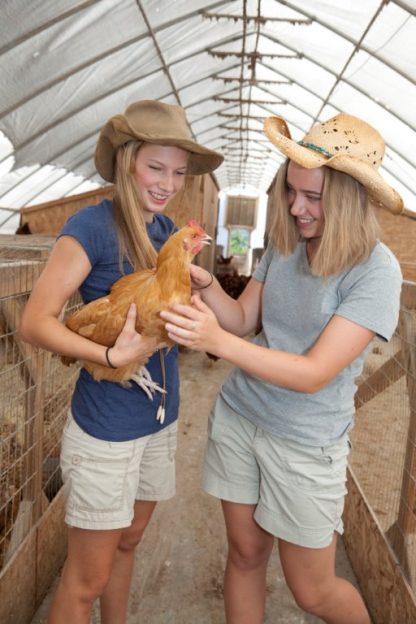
<point>181,173</point>
<point>153,167</point>
<point>313,198</point>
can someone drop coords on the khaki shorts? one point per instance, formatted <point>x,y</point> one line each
<point>298,491</point>
<point>103,479</point>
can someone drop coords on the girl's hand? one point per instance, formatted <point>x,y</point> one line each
<point>200,278</point>
<point>195,327</point>
<point>130,345</point>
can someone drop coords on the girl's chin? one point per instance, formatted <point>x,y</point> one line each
<point>309,231</point>
<point>309,236</point>
<point>153,204</point>
<point>153,209</point>
<point>306,232</point>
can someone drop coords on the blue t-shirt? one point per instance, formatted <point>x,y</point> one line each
<point>105,409</point>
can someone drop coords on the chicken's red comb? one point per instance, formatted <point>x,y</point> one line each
<point>194,224</point>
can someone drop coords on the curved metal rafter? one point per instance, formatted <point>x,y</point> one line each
<point>348,38</point>
<point>358,46</point>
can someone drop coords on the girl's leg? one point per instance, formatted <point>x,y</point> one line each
<point>310,575</point>
<point>114,600</point>
<point>249,549</point>
<point>85,574</point>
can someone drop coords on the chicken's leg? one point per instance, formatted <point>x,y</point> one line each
<point>143,379</point>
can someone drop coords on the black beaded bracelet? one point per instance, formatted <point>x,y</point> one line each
<point>207,286</point>
<point>108,359</point>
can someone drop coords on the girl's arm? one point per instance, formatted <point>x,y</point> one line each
<point>340,343</point>
<point>238,316</point>
<point>67,267</point>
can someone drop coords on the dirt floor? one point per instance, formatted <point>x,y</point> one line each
<point>180,562</point>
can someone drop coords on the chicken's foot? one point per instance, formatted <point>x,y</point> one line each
<point>143,379</point>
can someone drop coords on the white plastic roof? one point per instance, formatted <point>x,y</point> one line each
<point>66,66</point>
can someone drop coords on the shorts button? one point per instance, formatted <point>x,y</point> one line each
<point>76,459</point>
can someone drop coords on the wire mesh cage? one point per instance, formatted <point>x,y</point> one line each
<point>35,392</point>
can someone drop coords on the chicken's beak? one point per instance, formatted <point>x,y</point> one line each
<point>206,239</point>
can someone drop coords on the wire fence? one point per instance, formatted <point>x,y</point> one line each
<point>384,438</point>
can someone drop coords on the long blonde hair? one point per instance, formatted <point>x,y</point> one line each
<point>133,240</point>
<point>350,231</point>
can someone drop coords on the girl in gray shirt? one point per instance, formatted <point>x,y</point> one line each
<point>278,434</point>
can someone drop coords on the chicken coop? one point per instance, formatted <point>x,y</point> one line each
<point>67,67</point>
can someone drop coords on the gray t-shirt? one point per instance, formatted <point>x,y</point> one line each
<point>296,308</point>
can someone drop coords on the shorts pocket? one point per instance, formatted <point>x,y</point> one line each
<point>226,426</point>
<point>318,467</point>
<point>309,473</point>
<point>95,483</point>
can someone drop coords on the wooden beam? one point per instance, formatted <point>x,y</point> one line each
<point>381,379</point>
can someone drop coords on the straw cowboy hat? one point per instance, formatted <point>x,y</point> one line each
<point>153,122</point>
<point>345,143</point>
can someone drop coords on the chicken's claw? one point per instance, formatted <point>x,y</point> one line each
<point>143,379</point>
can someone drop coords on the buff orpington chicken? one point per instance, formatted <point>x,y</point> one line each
<point>152,290</point>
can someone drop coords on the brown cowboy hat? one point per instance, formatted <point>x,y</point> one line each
<point>153,122</point>
<point>345,143</point>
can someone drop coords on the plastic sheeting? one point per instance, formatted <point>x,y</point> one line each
<point>66,66</point>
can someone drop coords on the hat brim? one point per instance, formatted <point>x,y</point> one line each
<point>117,132</point>
<point>378,190</point>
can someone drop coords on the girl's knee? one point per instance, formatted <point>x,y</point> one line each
<point>130,538</point>
<point>311,599</point>
<point>87,587</point>
<point>248,556</point>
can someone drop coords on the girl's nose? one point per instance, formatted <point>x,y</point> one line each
<point>296,207</point>
<point>167,182</point>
